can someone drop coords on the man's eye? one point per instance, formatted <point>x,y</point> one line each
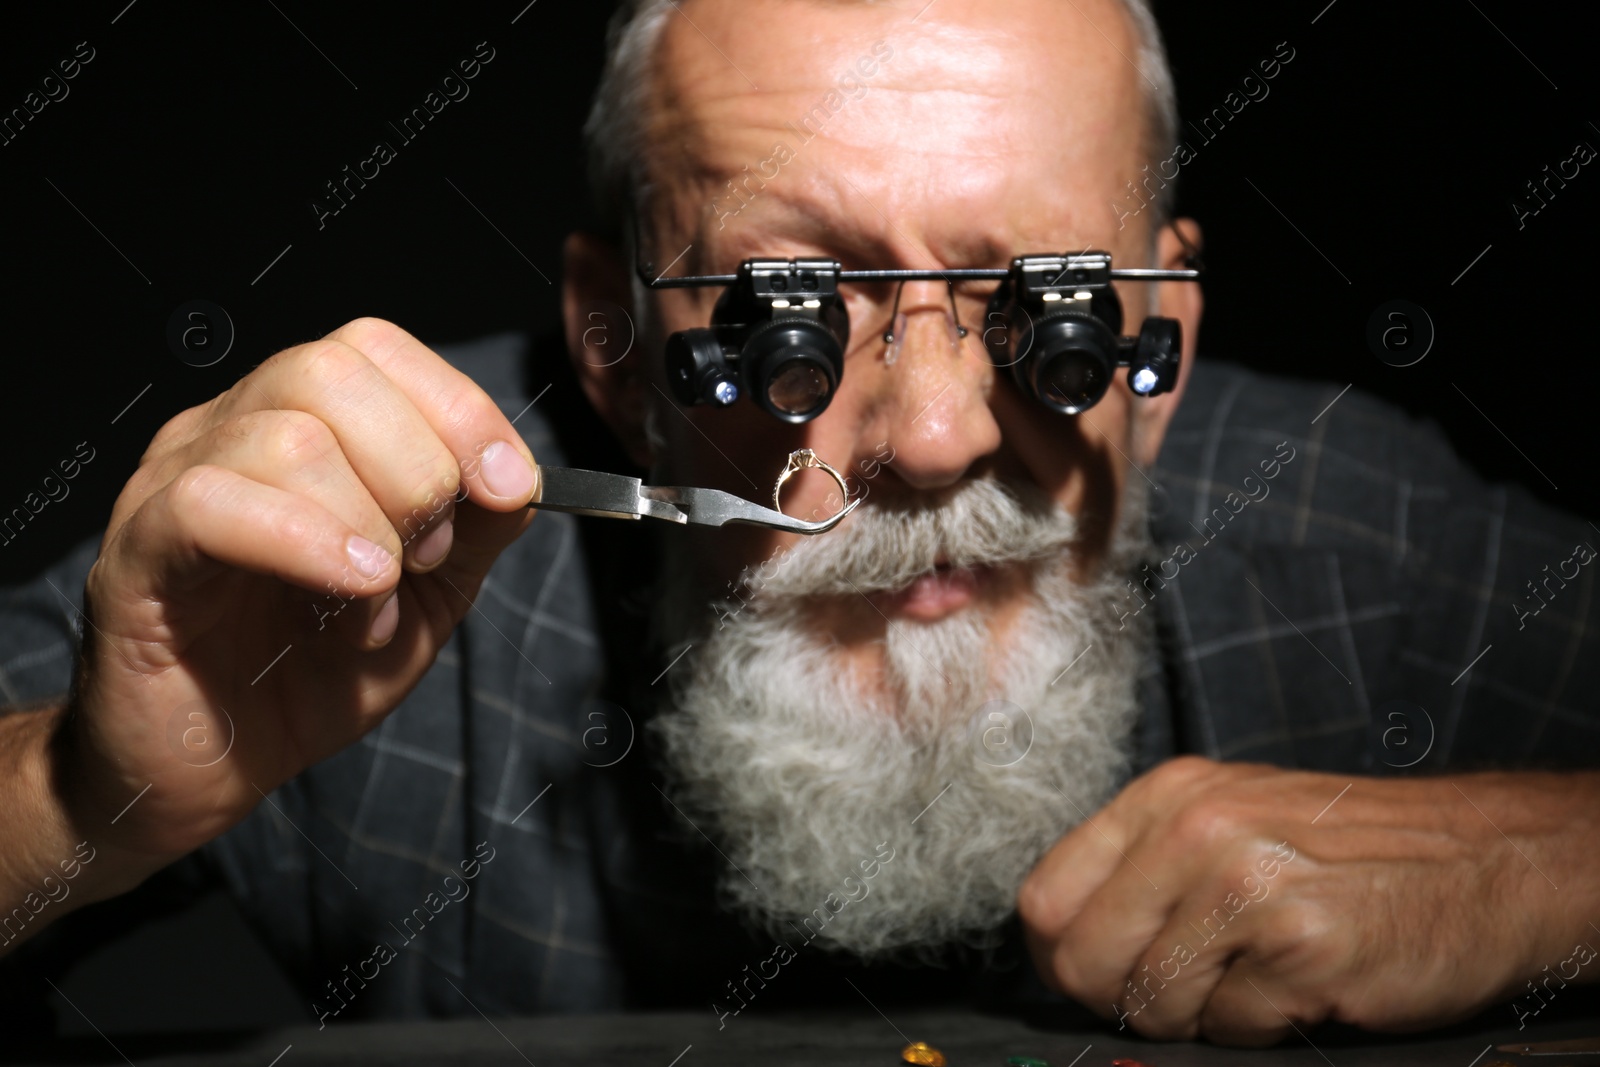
<point>865,314</point>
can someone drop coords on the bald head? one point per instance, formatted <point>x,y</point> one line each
<point>675,68</point>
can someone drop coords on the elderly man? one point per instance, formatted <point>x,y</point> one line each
<point>329,658</point>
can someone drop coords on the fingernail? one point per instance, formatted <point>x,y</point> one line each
<point>434,544</point>
<point>367,558</point>
<point>505,471</point>
<point>387,619</point>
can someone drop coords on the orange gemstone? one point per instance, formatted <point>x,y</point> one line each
<point>922,1054</point>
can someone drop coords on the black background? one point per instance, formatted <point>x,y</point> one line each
<point>196,138</point>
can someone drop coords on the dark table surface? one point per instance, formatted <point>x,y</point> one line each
<point>835,1038</point>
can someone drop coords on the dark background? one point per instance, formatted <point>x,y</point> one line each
<point>197,137</point>
<point>194,141</point>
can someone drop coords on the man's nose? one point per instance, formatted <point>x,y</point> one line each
<point>936,387</point>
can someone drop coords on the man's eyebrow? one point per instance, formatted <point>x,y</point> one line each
<point>783,221</point>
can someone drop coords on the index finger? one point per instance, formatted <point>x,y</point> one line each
<point>468,422</point>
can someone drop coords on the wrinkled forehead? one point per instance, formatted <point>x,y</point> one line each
<point>1030,109</point>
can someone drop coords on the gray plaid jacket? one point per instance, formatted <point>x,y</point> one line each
<point>1366,608</point>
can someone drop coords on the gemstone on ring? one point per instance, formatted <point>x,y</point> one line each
<point>801,459</point>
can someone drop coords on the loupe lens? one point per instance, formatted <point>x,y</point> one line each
<point>797,387</point>
<point>791,368</point>
<point>1069,364</point>
<point>1071,381</point>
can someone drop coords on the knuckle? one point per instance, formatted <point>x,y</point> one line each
<point>1035,904</point>
<point>290,437</point>
<point>175,431</point>
<point>1207,823</point>
<point>297,528</point>
<point>1177,777</point>
<point>1181,770</point>
<point>328,365</point>
<point>196,488</point>
<point>441,479</point>
<point>1299,927</point>
<point>97,578</point>
<point>369,333</point>
<point>469,407</point>
<point>432,499</point>
<point>147,478</point>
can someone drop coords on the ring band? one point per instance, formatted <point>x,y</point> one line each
<point>799,460</point>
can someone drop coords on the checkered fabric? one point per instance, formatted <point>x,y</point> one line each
<point>1372,568</point>
<point>1373,604</point>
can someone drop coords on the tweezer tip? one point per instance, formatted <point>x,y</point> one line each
<point>827,524</point>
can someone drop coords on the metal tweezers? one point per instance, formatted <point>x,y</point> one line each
<point>616,496</point>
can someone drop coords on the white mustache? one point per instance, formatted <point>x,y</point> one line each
<point>886,545</point>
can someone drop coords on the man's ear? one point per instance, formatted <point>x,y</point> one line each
<point>1175,300</point>
<point>603,338</point>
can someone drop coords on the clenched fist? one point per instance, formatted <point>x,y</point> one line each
<point>1238,902</point>
<point>279,572</point>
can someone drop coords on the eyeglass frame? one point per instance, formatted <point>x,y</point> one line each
<point>1071,298</point>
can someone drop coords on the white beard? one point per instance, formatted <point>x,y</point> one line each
<point>799,770</point>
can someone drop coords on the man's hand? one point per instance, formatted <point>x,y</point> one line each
<point>279,572</point>
<point>1235,901</point>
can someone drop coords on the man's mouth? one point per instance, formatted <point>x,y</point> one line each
<point>937,595</point>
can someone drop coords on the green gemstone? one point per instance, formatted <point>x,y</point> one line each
<point>1025,1061</point>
